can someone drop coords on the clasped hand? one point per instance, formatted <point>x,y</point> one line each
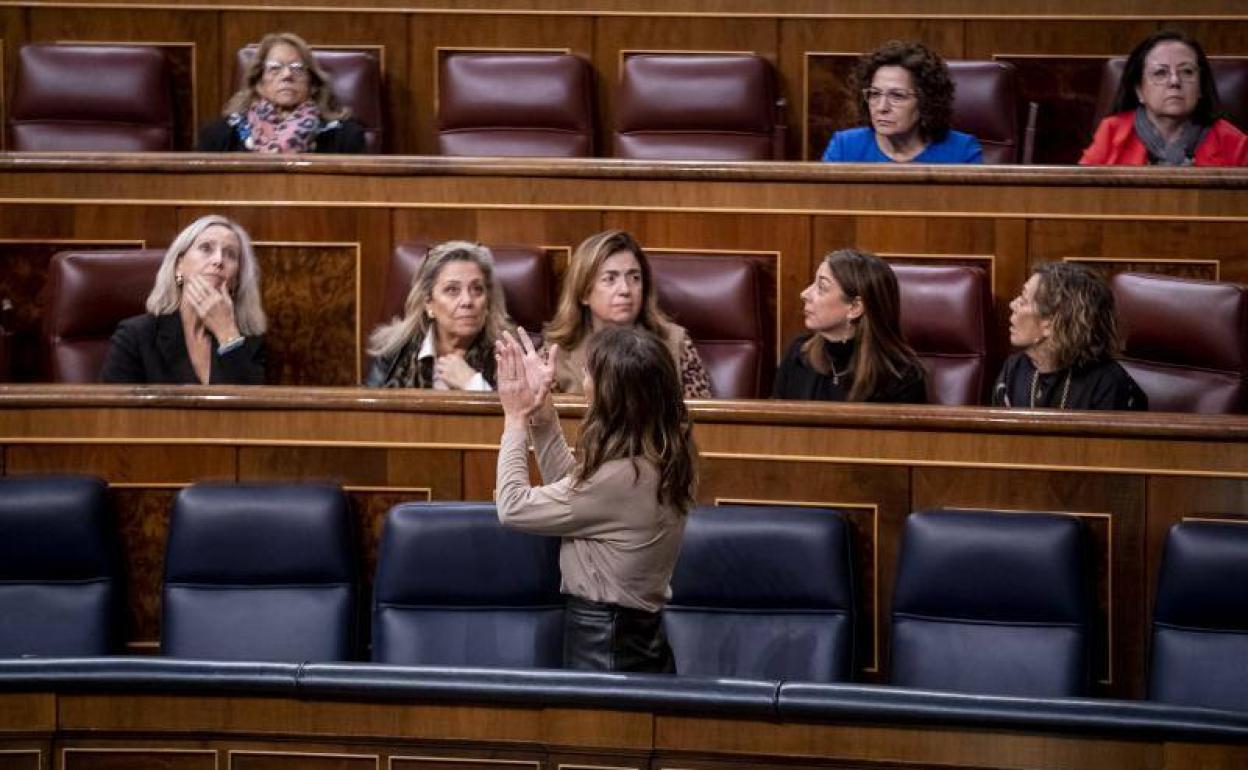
<point>525,377</point>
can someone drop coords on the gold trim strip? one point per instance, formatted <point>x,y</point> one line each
<point>464,760</point>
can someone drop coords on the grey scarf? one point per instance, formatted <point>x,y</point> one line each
<point>1176,153</point>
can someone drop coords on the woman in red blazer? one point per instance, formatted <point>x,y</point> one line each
<point>1164,112</point>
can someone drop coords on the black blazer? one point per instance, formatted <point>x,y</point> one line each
<point>343,136</point>
<point>152,349</point>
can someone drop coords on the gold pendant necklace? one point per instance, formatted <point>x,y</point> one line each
<point>1035,381</point>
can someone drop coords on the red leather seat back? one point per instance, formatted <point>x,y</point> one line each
<point>722,300</point>
<point>516,104</point>
<point>945,313</point>
<point>91,98</point>
<point>356,79</point>
<point>89,293</point>
<point>1185,341</point>
<point>986,106</point>
<point>524,272</point>
<point>698,107</point>
<point>1230,76</point>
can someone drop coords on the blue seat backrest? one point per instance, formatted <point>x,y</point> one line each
<point>994,603</point>
<point>59,574</point>
<point>1200,620</point>
<point>455,588</point>
<point>260,572</point>
<point>764,592</point>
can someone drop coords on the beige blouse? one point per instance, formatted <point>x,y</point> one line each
<point>619,544</point>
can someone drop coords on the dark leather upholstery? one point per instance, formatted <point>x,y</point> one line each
<point>524,271</point>
<point>1185,341</point>
<point>994,603</point>
<point>95,98</point>
<point>89,293</point>
<point>986,105</point>
<point>455,588</point>
<point>698,107</point>
<point>1229,75</point>
<point>516,104</point>
<point>1200,620</point>
<point>723,302</point>
<point>59,574</point>
<point>945,312</point>
<point>764,592</point>
<point>356,80</point>
<point>260,572</point>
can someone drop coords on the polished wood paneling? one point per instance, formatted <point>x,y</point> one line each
<point>22,759</point>
<point>290,760</point>
<point>144,758</point>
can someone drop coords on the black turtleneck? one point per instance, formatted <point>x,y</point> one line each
<point>1100,384</point>
<point>797,380</point>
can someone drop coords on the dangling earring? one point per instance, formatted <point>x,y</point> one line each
<point>177,280</point>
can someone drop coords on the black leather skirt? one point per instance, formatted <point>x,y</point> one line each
<point>607,637</point>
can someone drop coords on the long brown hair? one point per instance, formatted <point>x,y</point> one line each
<point>572,322</point>
<point>879,351</point>
<point>1080,307</point>
<point>320,89</point>
<point>636,412</point>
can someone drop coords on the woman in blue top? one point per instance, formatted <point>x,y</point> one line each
<point>906,94</point>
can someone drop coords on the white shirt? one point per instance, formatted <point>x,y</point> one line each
<point>429,350</point>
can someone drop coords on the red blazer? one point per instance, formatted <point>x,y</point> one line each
<point>1116,144</point>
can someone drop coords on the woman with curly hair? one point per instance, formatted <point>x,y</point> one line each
<point>618,503</point>
<point>1165,112</point>
<point>905,95</point>
<point>1063,323</point>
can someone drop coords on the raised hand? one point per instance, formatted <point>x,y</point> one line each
<point>539,370</point>
<point>212,306</point>
<point>517,396</point>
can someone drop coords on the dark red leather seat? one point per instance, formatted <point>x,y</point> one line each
<point>91,98</point>
<point>356,80</point>
<point>986,106</point>
<point>1185,341</point>
<point>1230,76</point>
<point>516,104</point>
<point>89,293</point>
<point>698,107</point>
<point>722,300</point>
<point>524,272</point>
<point>945,312</point>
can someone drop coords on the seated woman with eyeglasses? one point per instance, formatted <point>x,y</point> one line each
<point>906,96</point>
<point>286,106</point>
<point>1164,112</point>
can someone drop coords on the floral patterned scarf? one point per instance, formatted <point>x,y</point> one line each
<point>264,130</point>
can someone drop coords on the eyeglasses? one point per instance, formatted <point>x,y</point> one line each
<point>1160,76</point>
<point>893,96</point>
<point>273,68</point>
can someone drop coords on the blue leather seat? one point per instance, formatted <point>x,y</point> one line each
<point>1200,620</point>
<point>764,592</point>
<point>260,572</point>
<point>59,587</point>
<point>993,603</point>
<point>454,588</point>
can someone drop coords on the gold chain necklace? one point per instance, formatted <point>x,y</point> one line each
<point>836,376</point>
<point>1035,381</point>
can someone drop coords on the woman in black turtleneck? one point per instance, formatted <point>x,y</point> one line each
<point>854,351</point>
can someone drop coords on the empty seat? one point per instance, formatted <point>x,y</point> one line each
<point>993,603</point>
<point>94,98</point>
<point>986,105</point>
<point>455,588</point>
<point>516,104</point>
<point>1230,75</point>
<point>764,592</point>
<point>59,577</point>
<point>260,572</point>
<point>1200,620</point>
<point>1185,341</point>
<point>355,77</point>
<point>88,294</point>
<point>524,272</point>
<point>945,311</point>
<point>698,107</point>
<point>723,302</point>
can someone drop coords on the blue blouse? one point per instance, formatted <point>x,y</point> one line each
<point>857,145</point>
